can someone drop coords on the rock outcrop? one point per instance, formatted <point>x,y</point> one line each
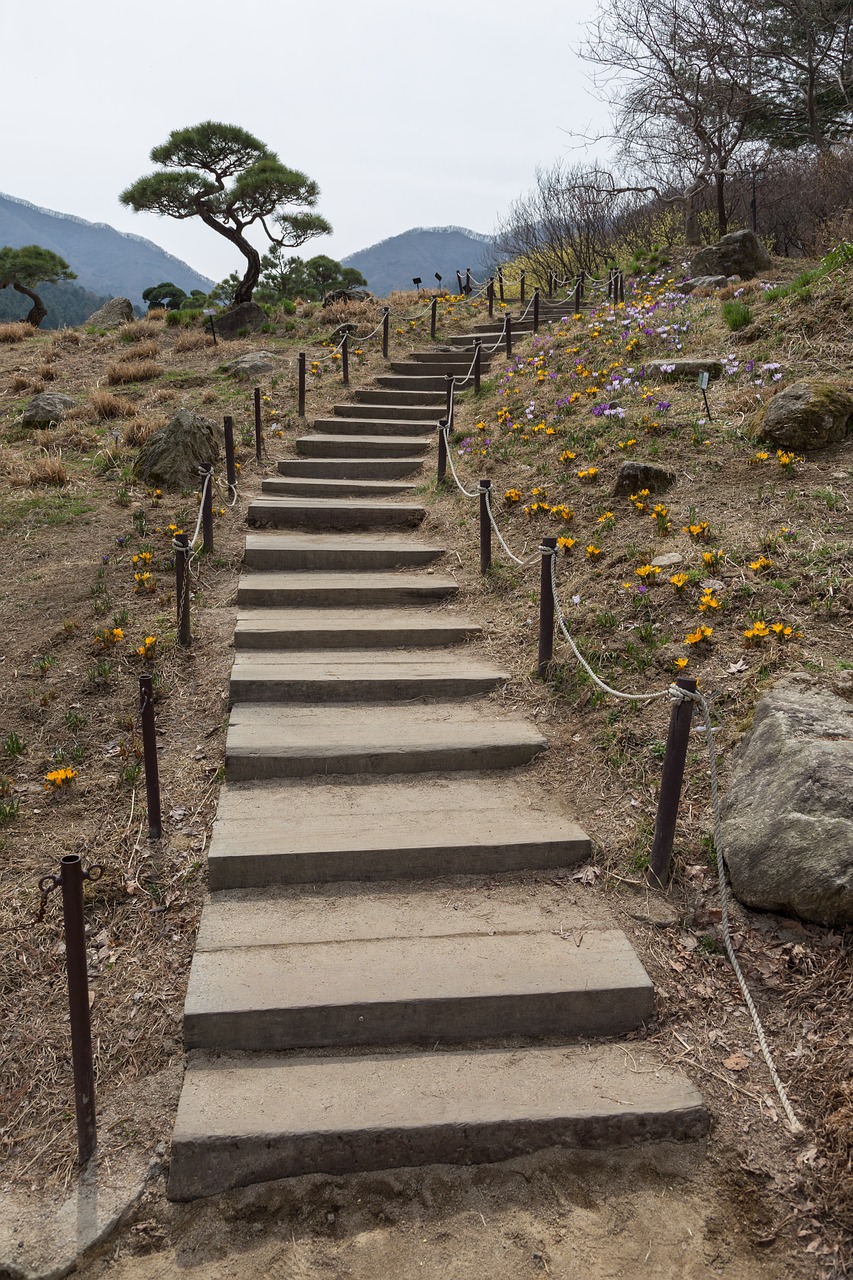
<point>740,253</point>
<point>171,457</point>
<point>810,414</point>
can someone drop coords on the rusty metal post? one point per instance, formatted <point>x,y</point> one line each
<point>300,407</point>
<point>672,776</point>
<point>508,335</point>
<point>149,752</point>
<point>433,317</point>
<point>71,880</point>
<point>386,324</point>
<point>621,286</point>
<point>522,280</point>
<point>459,283</point>
<point>490,294</point>
<point>207,506</point>
<point>546,608</point>
<point>501,284</point>
<point>535,310</point>
<point>469,289</point>
<point>448,400</point>
<point>345,359</point>
<point>182,586</point>
<point>552,280</point>
<point>230,468</point>
<point>441,470</point>
<point>577,295</point>
<point>485,528</point>
<point>257,399</point>
<point>478,365</point>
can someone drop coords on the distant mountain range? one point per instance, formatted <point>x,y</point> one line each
<point>109,263</point>
<point>422,251</point>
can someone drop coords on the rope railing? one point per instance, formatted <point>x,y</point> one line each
<point>681,693</point>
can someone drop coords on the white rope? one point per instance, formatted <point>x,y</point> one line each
<point>208,476</point>
<point>678,694</point>
<point>469,493</point>
<point>511,554</point>
<point>232,494</point>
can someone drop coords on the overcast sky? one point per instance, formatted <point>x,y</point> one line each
<point>425,114</point>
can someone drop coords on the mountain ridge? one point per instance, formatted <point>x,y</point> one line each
<point>393,263</point>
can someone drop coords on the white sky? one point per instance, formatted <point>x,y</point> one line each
<point>406,115</point>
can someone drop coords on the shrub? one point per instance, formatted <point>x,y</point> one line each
<point>15,331</point>
<point>192,341</point>
<point>139,331</point>
<point>49,470</point>
<point>137,432</point>
<point>19,382</point>
<point>736,314</point>
<point>104,406</point>
<point>133,371</point>
<point>142,351</point>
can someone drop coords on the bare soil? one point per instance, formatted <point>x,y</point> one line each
<point>754,1202</point>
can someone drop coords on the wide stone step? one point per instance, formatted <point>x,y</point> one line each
<point>358,675</point>
<point>333,513</point>
<point>351,553</point>
<point>416,382</point>
<point>349,488</point>
<point>266,742</point>
<point>363,446</point>
<point>295,629</point>
<point>437,358</point>
<point>414,399</point>
<point>306,971</point>
<point>254,1120</point>
<point>374,426</point>
<point>368,413</point>
<point>316,832</point>
<point>351,468</point>
<point>343,590</point>
<point>457,365</point>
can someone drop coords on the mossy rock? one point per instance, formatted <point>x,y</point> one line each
<point>171,457</point>
<point>807,415</point>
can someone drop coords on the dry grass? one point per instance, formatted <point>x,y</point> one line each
<point>66,338</point>
<point>142,351</point>
<point>164,395</point>
<point>15,331</point>
<point>45,371</point>
<point>366,315</point>
<point>19,382</point>
<point>138,331</point>
<point>137,432</point>
<point>192,342</point>
<point>103,406</point>
<point>133,371</point>
<point>49,471</point>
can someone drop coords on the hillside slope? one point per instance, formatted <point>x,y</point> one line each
<point>422,251</point>
<point>108,262</point>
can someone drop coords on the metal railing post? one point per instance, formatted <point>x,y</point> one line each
<point>257,398</point>
<point>182,586</point>
<point>546,608</point>
<point>441,468</point>
<point>485,528</point>
<point>300,406</point>
<point>230,467</point>
<point>433,317</point>
<point>71,879</point>
<point>345,359</point>
<point>386,325</point>
<point>508,336</point>
<point>478,349</point>
<point>490,294</point>
<point>522,282</point>
<point>535,310</point>
<point>672,777</point>
<point>207,506</point>
<point>149,752</point>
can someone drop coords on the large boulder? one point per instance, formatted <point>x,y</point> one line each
<point>170,458</point>
<point>50,406</point>
<point>703,282</point>
<point>254,364</point>
<point>788,814</point>
<point>739,254</point>
<point>116,312</point>
<point>634,476</point>
<point>807,415</point>
<point>236,323</point>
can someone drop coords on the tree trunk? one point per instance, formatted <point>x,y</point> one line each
<point>722,216</point>
<point>692,234</point>
<point>37,311</point>
<point>246,287</point>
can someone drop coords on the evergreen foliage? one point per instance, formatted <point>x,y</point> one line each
<point>25,268</point>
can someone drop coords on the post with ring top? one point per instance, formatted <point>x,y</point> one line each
<point>300,406</point>
<point>548,549</point>
<point>478,366</point>
<point>522,280</point>
<point>441,470</point>
<point>207,506</point>
<point>535,310</point>
<point>501,283</point>
<point>508,335</point>
<point>433,317</point>
<point>149,752</point>
<point>485,527</point>
<point>386,322</point>
<point>257,398</point>
<point>345,359</point>
<point>181,546</point>
<point>230,466</point>
<point>672,777</point>
<point>490,294</point>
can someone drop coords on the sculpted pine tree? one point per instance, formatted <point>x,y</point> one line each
<point>232,181</point>
<point>23,269</point>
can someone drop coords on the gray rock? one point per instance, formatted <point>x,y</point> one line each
<point>703,282</point>
<point>741,253</point>
<point>788,814</point>
<point>807,415</point>
<point>682,367</point>
<point>50,406</point>
<point>116,312</point>
<point>236,323</point>
<point>669,560</point>
<point>634,476</point>
<point>171,457</point>
<point>252,365</point>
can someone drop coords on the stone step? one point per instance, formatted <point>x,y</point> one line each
<point>358,675</point>
<point>450,357</point>
<point>368,413</point>
<point>285,972</point>
<point>343,446</point>
<point>316,832</point>
<point>351,468</point>
<point>355,553</point>
<point>266,742</point>
<point>333,513</point>
<point>414,399</point>
<point>245,1120</point>
<point>316,488</point>
<point>343,425</point>
<point>343,590</point>
<point>460,364</point>
<point>420,382</point>
<point>295,629</point>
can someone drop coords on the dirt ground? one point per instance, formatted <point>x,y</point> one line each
<point>752,1202</point>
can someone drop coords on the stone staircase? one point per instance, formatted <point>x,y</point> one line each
<point>350,1006</point>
